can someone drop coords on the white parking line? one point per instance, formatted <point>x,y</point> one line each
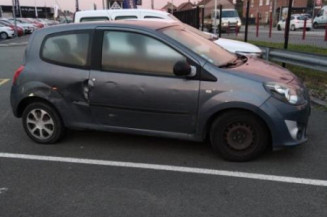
<point>257,176</point>
<point>14,44</point>
<point>3,81</point>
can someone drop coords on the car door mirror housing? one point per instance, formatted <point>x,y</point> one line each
<point>182,68</point>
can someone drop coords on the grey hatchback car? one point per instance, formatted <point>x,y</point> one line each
<point>156,78</point>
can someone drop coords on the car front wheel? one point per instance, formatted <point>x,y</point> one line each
<point>239,136</point>
<point>42,123</point>
<point>315,25</point>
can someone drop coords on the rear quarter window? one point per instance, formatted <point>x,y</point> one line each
<point>66,49</point>
<point>93,19</point>
<point>152,17</point>
<point>125,17</point>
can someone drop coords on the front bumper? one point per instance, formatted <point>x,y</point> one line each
<point>287,123</point>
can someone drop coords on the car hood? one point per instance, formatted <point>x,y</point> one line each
<point>234,46</point>
<point>264,71</point>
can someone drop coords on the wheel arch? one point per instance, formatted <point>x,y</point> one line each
<point>28,100</point>
<point>245,108</point>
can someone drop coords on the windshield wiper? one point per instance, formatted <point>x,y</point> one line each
<point>240,60</point>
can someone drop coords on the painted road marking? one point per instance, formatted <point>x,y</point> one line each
<point>14,44</point>
<point>257,176</point>
<point>3,81</point>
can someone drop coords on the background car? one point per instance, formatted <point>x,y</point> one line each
<point>297,22</point>
<point>20,31</point>
<point>28,27</point>
<point>321,18</point>
<point>6,32</point>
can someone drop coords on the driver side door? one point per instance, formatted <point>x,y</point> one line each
<point>135,86</point>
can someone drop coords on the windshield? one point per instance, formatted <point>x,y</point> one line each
<point>201,46</point>
<point>229,14</point>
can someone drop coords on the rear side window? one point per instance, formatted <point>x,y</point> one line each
<point>125,17</point>
<point>93,19</point>
<point>152,17</point>
<point>66,49</point>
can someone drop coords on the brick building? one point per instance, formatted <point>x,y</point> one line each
<point>263,7</point>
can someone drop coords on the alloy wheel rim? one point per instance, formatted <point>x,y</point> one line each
<point>40,124</point>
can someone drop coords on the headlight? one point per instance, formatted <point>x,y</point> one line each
<point>225,24</point>
<point>291,94</point>
<point>239,23</point>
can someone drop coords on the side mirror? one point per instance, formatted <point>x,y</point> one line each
<point>182,68</point>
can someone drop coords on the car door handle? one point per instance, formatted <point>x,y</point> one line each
<point>87,87</point>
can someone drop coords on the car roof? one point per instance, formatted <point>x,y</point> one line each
<point>150,24</point>
<point>97,12</point>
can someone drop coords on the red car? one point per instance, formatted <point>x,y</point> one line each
<point>20,31</point>
<point>35,22</point>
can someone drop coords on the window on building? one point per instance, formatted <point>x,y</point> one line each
<point>137,53</point>
<point>267,2</point>
<point>66,49</point>
<point>260,2</point>
<point>252,3</point>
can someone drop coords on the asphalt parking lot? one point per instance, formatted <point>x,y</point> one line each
<point>105,174</point>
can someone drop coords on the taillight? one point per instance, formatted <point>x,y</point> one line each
<point>17,73</point>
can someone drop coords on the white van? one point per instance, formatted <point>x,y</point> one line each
<point>321,18</point>
<point>232,46</point>
<point>120,14</point>
<point>229,20</point>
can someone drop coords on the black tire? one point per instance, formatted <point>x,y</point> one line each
<point>3,35</point>
<point>48,121</point>
<point>279,28</point>
<point>239,136</point>
<point>315,25</point>
<point>308,29</point>
<point>293,28</point>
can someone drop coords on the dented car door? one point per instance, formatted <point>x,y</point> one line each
<point>135,86</point>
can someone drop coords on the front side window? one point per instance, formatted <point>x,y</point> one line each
<point>137,53</point>
<point>66,49</point>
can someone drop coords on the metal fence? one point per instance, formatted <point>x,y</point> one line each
<point>190,17</point>
<point>306,60</point>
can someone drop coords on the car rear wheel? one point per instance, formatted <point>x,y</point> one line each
<point>293,28</point>
<point>3,35</point>
<point>239,136</point>
<point>279,28</point>
<point>42,123</point>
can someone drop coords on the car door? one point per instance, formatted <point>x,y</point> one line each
<point>135,87</point>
